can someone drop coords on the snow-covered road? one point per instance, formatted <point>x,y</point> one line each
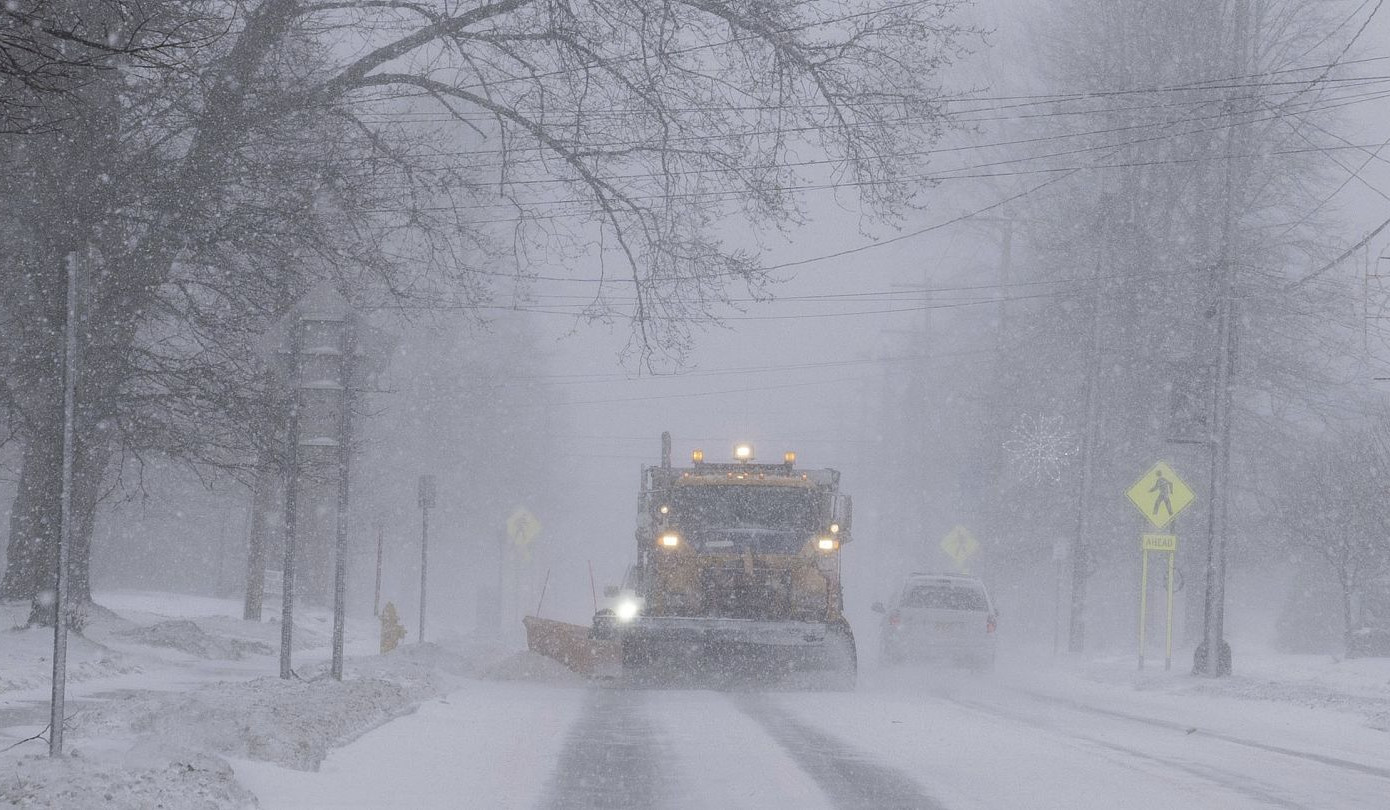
<point>169,690</point>
<point>912,740</point>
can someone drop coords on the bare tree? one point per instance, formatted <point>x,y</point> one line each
<point>532,128</point>
<point>51,49</point>
<point>1334,506</point>
<point>1181,179</point>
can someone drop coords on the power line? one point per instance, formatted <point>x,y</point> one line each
<point>374,171</point>
<point>622,145</point>
<point>731,195</point>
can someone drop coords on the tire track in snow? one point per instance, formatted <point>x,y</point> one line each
<point>847,776</point>
<point>611,759</point>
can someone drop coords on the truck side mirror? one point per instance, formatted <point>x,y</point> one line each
<point>843,515</point>
<point>879,608</point>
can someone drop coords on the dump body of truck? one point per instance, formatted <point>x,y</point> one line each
<point>737,563</point>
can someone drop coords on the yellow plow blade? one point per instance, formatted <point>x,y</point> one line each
<point>570,645</point>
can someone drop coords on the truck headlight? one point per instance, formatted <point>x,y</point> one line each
<point>827,544</point>
<point>626,610</point>
<point>670,540</point>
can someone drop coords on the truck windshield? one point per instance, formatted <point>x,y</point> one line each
<point>770,520</point>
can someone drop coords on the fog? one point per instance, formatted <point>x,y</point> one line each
<point>1056,245</point>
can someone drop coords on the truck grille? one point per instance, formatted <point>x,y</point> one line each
<point>731,592</point>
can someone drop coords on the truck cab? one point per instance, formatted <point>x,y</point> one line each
<point>736,561</point>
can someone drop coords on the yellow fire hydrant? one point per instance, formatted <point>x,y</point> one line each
<point>392,631</point>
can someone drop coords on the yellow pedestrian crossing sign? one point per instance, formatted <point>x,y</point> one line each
<point>1160,494</point>
<point>522,527</point>
<point>960,545</point>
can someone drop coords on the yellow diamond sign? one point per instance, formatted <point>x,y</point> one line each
<point>960,545</point>
<point>1160,494</point>
<point>522,527</point>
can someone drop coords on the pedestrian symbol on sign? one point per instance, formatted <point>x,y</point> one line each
<point>1164,488</point>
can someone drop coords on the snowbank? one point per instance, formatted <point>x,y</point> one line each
<point>292,723</point>
<point>189,783</point>
<point>26,655</point>
<point>186,636</point>
<point>163,686</point>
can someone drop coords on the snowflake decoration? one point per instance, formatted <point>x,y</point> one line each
<point>1040,448</point>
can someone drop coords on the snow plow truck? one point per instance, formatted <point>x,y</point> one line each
<point>737,571</point>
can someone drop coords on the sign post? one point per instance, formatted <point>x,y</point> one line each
<point>1166,544</point>
<point>1159,494</point>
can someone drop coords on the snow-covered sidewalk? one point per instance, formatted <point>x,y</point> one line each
<point>489,744</point>
<point>1356,687</point>
<point>1338,707</point>
<point>163,687</point>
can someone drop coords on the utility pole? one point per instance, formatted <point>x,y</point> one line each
<point>427,493</point>
<point>348,349</point>
<point>1006,252</point>
<point>61,609</point>
<point>916,392</point>
<point>1213,656</point>
<point>1080,547</point>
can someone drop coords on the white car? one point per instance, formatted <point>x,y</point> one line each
<point>939,617</point>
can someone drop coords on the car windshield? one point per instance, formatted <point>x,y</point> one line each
<point>945,597</point>
<point>767,519</point>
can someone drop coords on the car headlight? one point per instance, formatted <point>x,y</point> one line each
<point>626,610</point>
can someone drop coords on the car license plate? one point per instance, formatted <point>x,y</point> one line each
<point>947,627</point>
